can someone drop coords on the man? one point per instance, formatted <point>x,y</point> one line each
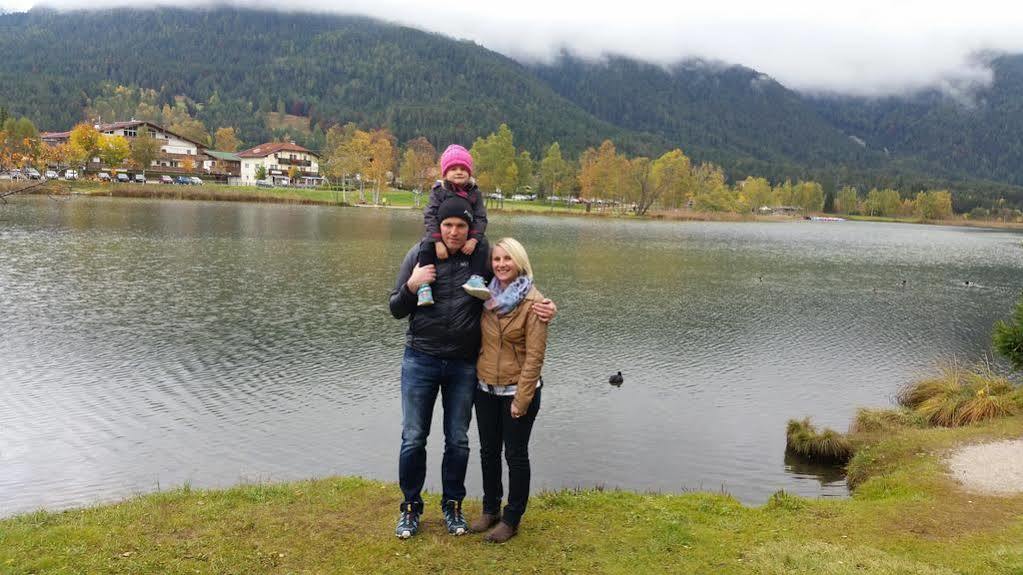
<point>441,347</point>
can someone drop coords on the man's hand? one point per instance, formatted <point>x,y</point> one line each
<point>420,276</point>
<point>545,310</point>
<point>441,249</point>
<point>515,413</point>
<point>470,246</point>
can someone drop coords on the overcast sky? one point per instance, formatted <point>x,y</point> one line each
<point>866,47</point>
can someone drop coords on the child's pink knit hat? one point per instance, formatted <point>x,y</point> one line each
<point>455,155</point>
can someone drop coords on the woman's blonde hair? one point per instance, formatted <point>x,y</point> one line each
<point>518,255</point>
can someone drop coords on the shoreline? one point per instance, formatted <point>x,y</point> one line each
<point>907,515</point>
<point>403,200</point>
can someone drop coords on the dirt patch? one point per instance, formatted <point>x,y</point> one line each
<point>991,468</point>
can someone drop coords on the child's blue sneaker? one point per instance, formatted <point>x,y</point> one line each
<point>425,294</point>
<point>477,288</point>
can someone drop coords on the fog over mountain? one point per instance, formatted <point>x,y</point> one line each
<point>870,48</point>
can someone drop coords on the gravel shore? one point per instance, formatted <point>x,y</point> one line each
<point>995,468</point>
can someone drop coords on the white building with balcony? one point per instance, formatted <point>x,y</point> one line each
<point>278,158</point>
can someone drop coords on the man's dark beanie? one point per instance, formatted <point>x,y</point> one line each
<point>455,208</point>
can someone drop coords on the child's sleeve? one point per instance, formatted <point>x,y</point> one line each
<point>430,214</point>
<point>479,218</point>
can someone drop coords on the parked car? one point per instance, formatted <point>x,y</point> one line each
<point>33,174</point>
<point>520,197</point>
<point>123,178</point>
<point>197,181</point>
<point>17,175</point>
<point>495,196</point>
<point>264,184</point>
<point>166,180</point>
<point>140,178</point>
<point>103,177</point>
<point>50,175</point>
<point>183,180</point>
<point>70,174</point>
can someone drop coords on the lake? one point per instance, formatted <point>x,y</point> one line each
<point>149,344</point>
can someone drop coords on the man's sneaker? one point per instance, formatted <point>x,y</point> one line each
<point>454,519</point>
<point>425,294</point>
<point>477,288</point>
<point>408,522</point>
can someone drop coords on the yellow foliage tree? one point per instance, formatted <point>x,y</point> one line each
<point>225,140</point>
<point>113,150</point>
<point>85,143</point>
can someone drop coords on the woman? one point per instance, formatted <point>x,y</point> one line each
<point>508,394</point>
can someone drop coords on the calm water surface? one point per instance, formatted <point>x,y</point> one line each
<point>145,344</point>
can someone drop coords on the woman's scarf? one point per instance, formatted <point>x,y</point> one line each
<point>505,299</point>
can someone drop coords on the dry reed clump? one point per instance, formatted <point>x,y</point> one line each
<point>880,420</point>
<point>960,396</point>
<point>828,446</point>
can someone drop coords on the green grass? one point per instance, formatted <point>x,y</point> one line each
<point>391,198</point>
<point>906,517</point>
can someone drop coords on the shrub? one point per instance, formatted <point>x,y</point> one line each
<point>1008,337</point>
<point>803,439</point>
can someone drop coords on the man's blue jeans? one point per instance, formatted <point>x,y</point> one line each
<point>422,376</point>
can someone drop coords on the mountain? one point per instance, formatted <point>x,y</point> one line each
<point>330,68</point>
<point>233,67</point>
<point>978,134</point>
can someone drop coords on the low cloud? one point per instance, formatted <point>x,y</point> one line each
<point>870,48</point>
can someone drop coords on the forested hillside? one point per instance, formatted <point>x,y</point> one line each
<point>233,68</point>
<point>332,69</point>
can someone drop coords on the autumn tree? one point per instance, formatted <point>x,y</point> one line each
<point>710,192</point>
<point>556,174</point>
<point>494,160</point>
<point>882,202</point>
<point>602,172</point>
<point>809,196</point>
<point>113,150</point>
<point>418,164</point>
<point>144,149</point>
<point>933,205</point>
<point>188,165</point>
<point>85,143</point>
<point>756,193</point>
<point>225,140</point>
<point>525,168</point>
<point>335,163</point>
<point>382,159</point>
<point>847,201</point>
<point>670,176</point>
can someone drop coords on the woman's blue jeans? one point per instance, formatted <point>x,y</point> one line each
<point>422,377</point>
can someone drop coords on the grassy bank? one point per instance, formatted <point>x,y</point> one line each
<point>906,517</point>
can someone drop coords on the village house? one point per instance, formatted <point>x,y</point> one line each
<point>224,165</point>
<point>177,153</point>
<point>278,158</point>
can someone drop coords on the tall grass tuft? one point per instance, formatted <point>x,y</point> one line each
<point>829,446</point>
<point>882,420</point>
<point>960,396</point>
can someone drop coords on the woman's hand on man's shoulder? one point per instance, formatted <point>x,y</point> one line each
<point>545,309</point>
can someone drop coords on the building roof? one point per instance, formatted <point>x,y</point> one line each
<point>264,150</point>
<point>225,156</point>
<point>117,126</point>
